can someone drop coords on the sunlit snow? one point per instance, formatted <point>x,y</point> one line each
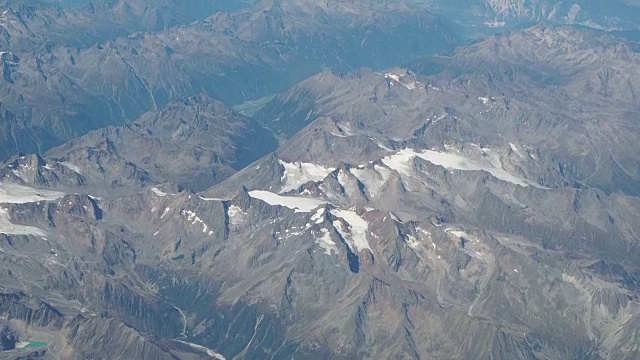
<point>158,192</point>
<point>296,174</point>
<point>400,79</point>
<point>297,203</point>
<point>401,161</point>
<point>356,233</point>
<point>72,167</point>
<point>515,149</point>
<point>326,243</point>
<point>318,217</point>
<point>194,219</point>
<point>18,194</point>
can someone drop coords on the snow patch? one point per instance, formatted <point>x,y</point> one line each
<point>297,203</point>
<point>515,149</point>
<point>211,199</point>
<point>356,233</point>
<point>401,162</point>
<point>412,242</point>
<point>349,186</point>
<point>18,194</point>
<point>72,167</point>
<point>158,192</point>
<point>462,235</point>
<point>211,353</point>
<point>395,218</point>
<point>318,217</point>
<point>194,219</point>
<point>235,214</point>
<point>326,243</point>
<point>410,85</point>
<point>372,179</point>
<point>234,211</point>
<point>299,173</point>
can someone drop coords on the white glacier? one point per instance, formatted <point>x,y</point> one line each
<point>297,203</point>
<point>356,233</point>
<point>400,161</point>
<point>299,173</point>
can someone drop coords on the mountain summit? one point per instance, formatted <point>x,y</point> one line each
<point>320,180</point>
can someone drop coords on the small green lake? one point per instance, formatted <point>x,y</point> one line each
<point>33,344</point>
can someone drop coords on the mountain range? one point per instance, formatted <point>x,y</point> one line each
<point>232,57</point>
<point>598,14</point>
<point>322,180</point>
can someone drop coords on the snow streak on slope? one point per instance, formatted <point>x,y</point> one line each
<point>159,192</point>
<point>296,174</point>
<point>401,161</point>
<point>72,167</point>
<point>297,203</point>
<point>17,194</point>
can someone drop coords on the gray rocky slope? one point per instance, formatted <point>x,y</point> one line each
<point>54,92</point>
<point>472,212</point>
<point>597,14</point>
<point>194,143</point>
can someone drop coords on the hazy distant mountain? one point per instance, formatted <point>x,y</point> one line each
<point>390,197</point>
<point>599,14</point>
<point>458,209</point>
<point>63,92</point>
<point>540,95</point>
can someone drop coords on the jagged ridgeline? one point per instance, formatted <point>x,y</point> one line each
<point>71,84</point>
<point>320,180</point>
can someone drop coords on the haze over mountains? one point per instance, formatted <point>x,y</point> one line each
<point>597,14</point>
<point>232,57</point>
<point>319,180</point>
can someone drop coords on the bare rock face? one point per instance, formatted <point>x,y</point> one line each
<point>65,90</point>
<point>499,92</point>
<point>8,338</point>
<point>196,143</point>
<point>483,204</point>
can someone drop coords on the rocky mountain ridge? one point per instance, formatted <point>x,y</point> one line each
<point>408,213</point>
<point>63,92</point>
<point>482,204</point>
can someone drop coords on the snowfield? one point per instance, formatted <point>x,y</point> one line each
<point>401,161</point>
<point>356,233</point>
<point>7,227</point>
<point>18,194</point>
<point>297,203</point>
<point>296,174</point>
